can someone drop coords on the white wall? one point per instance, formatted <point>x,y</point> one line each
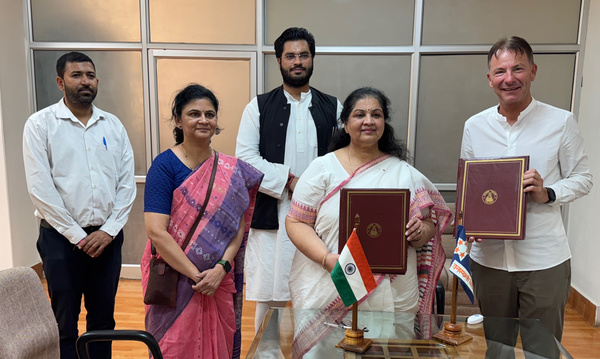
<point>18,227</point>
<point>6,259</point>
<point>584,237</point>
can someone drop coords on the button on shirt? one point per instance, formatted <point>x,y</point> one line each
<point>301,139</point>
<point>79,176</point>
<point>551,138</point>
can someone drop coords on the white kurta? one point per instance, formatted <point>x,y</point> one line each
<point>269,253</point>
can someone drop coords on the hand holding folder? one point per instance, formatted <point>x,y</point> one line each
<point>490,201</point>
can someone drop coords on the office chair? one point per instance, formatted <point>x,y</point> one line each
<point>28,329</point>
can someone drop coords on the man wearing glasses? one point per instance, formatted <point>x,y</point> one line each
<point>280,133</point>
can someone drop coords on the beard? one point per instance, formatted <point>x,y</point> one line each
<point>296,81</point>
<point>78,96</point>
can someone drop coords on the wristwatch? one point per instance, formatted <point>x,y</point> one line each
<point>551,195</point>
<point>226,265</point>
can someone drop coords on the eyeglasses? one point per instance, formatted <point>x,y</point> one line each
<point>291,57</point>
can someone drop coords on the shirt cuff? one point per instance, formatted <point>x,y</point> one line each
<point>75,234</point>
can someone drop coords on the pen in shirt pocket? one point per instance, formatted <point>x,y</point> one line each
<point>104,141</point>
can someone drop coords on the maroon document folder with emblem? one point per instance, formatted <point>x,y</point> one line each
<point>382,215</point>
<point>490,202</point>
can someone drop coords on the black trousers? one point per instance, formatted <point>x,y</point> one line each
<point>71,273</point>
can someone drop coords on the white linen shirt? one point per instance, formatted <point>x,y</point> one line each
<point>78,176</point>
<point>551,139</point>
<point>301,145</point>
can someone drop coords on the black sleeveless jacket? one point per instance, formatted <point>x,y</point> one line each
<point>274,117</point>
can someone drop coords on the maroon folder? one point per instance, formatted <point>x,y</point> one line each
<point>382,215</point>
<point>490,202</point>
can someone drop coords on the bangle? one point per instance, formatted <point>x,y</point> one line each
<point>289,180</point>
<point>323,261</point>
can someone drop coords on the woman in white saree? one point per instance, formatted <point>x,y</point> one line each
<point>365,154</point>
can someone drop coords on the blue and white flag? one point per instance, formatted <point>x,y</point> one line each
<point>461,266</point>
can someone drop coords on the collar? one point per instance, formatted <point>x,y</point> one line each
<point>303,97</point>
<point>63,112</point>
<point>500,118</point>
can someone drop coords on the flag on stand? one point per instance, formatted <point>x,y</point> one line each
<point>352,275</point>
<point>460,265</point>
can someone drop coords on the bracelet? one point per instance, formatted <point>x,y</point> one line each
<point>323,261</point>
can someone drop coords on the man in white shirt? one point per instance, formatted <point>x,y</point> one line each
<point>529,278</point>
<point>280,133</point>
<point>80,176</point>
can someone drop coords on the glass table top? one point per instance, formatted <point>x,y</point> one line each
<point>300,333</point>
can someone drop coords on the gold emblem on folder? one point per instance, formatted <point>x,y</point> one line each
<point>489,197</point>
<point>374,230</point>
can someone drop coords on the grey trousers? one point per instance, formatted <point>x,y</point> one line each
<point>526,295</point>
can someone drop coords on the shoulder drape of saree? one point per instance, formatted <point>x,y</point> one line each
<point>430,260</point>
<point>232,197</point>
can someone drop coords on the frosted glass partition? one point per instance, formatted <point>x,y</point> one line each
<point>344,22</point>
<point>203,21</point>
<point>338,75</point>
<point>86,20</point>
<point>119,91</point>
<point>135,230</point>
<point>475,22</point>
<point>229,79</point>
<point>455,87</point>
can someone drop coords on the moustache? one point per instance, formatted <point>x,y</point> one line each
<point>85,88</point>
<point>298,68</point>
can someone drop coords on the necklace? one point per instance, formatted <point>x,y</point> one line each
<point>369,159</point>
<point>188,164</point>
<point>187,159</point>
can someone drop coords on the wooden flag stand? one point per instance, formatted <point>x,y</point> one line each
<point>355,340</point>
<point>453,333</point>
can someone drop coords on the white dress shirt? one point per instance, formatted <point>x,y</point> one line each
<point>551,139</point>
<point>78,176</point>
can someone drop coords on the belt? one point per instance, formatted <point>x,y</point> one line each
<point>88,230</point>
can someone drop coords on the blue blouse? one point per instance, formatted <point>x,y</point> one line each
<point>164,176</point>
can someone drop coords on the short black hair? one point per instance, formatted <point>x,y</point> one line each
<point>190,93</point>
<point>515,44</point>
<point>388,143</point>
<point>294,34</point>
<point>73,56</point>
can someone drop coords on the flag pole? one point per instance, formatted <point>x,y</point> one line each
<point>355,316</point>
<point>453,333</point>
<point>354,340</point>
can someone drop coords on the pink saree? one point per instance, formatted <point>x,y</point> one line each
<point>206,326</point>
<point>429,258</point>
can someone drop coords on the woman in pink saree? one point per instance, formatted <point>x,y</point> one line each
<point>365,154</point>
<point>206,320</point>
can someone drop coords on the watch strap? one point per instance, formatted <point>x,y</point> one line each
<point>551,195</point>
<point>226,265</point>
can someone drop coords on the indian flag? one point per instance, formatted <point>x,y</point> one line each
<point>352,275</point>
